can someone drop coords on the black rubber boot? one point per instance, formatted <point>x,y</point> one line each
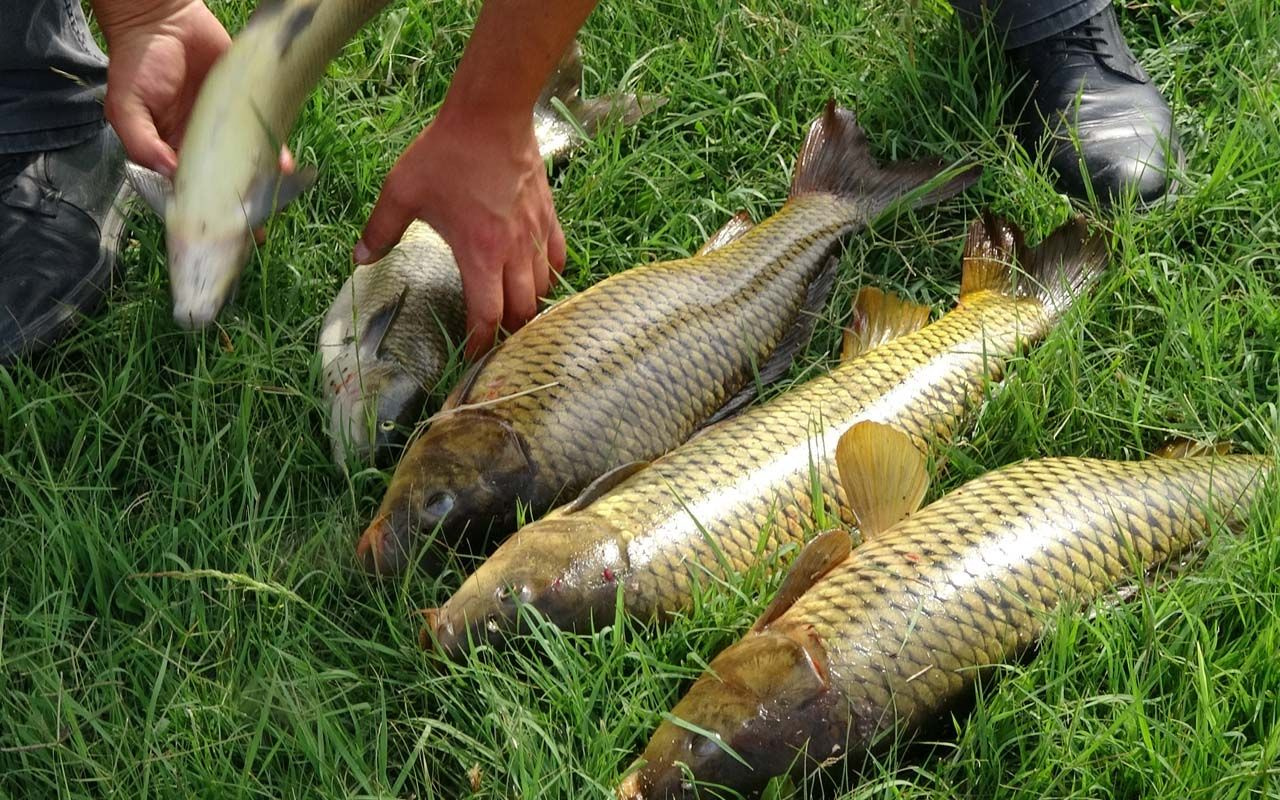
<point>1084,87</point>
<point>62,216</point>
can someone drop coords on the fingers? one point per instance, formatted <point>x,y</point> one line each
<point>137,131</point>
<point>482,289</point>
<point>520,298</point>
<point>390,217</point>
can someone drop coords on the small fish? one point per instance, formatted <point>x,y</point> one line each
<point>229,180</point>
<point>704,507</point>
<point>386,340</point>
<point>630,367</point>
<point>876,643</point>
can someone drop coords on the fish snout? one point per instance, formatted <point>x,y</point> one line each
<point>203,276</point>
<point>456,627</point>
<point>630,788</point>
<point>381,550</point>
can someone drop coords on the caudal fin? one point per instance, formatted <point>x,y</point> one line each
<point>836,159</point>
<point>1055,272</point>
<point>565,85</point>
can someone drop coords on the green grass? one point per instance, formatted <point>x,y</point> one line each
<point>180,610</point>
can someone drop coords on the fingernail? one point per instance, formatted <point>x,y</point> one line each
<point>362,253</point>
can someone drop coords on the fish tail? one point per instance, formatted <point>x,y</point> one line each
<point>565,85</point>
<point>1054,273</point>
<point>836,159</point>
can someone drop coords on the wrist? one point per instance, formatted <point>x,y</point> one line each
<point>121,15</point>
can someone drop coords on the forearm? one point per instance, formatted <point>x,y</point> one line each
<point>515,46</point>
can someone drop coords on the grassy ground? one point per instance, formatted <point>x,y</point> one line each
<point>180,611</point>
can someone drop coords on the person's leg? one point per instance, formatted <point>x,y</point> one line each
<point>62,186</point>
<point>1085,96</point>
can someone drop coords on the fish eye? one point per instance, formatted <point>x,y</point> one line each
<point>439,504</point>
<point>704,747</point>
<point>387,425</point>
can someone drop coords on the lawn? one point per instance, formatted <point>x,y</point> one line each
<point>181,613</point>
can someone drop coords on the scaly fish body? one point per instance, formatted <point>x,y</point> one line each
<point>706,505</point>
<point>387,338</point>
<point>228,179</point>
<point>630,367</point>
<point>891,637</point>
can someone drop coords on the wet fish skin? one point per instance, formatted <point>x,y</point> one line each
<point>893,636</point>
<point>379,371</point>
<point>631,367</point>
<point>705,505</point>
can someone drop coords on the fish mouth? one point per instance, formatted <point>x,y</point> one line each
<point>203,276</point>
<point>380,550</point>
<point>631,788</point>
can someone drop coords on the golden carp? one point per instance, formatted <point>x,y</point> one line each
<point>861,647</point>
<point>631,367</point>
<point>707,507</point>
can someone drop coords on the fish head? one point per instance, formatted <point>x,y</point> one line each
<point>567,567</point>
<point>373,408</point>
<point>763,705</point>
<point>466,472</point>
<point>204,273</point>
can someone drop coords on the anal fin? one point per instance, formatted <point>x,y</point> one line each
<point>883,474</point>
<point>880,317</point>
<point>731,231</point>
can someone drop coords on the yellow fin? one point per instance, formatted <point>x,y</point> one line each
<point>883,473</point>
<point>732,231</point>
<point>1189,448</point>
<point>823,552</point>
<point>880,317</point>
<point>992,252</point>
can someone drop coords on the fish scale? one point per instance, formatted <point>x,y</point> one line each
<point>907,619</point>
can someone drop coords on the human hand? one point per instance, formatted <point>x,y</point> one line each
<point>481,183</point>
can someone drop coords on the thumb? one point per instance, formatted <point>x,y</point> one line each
<point>137,131</point>
<point>386,225</point>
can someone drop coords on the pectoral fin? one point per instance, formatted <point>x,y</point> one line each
<point>825,551</point>
<point>379,323</point>
<point>883,474</point>
<point>155,189</point>
<point>271,193</point>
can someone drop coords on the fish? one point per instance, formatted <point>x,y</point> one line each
<point>882,641</point>
<point>744,489</point>
<point>630,367</point>
<point>228,180</point>
<point>386,340</point>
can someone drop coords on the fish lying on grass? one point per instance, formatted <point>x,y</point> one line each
<point>867,646</point>
<point>709,505</point>
<point>229,180</point>
<point>632,366</point>
<point>386,340</point>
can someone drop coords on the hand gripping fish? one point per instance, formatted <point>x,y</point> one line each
<point>745,488</point>
<point>860,648</point>
<point>386,340</point>
<point>630,367</point>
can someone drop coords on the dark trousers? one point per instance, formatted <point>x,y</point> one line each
<point>53,76</point>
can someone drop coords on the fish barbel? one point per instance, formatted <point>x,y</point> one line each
<point>878,643</point>
<point>630,367</point>
<point>706,507</point>
<point>386,340</point>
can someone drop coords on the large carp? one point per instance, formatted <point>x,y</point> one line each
<point>745,488</point>
<point>387,338</point>
<point>863,647</point>
<point>630,367</point>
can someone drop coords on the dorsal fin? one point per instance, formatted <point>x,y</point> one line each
<point>779,361</point>
<point>459,394</point>
<point>1180,447</point>
<point>880,317</point>
<point>378,323</point>
<point>825,551</point>
<point>603,485</point>
<point>883,474</point>
<point>731,231</point>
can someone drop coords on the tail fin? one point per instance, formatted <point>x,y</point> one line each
<point>565,85</point>
<point>1055,272</point>
<point>836,158</point>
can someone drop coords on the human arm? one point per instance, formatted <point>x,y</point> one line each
<point>475,174</point>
